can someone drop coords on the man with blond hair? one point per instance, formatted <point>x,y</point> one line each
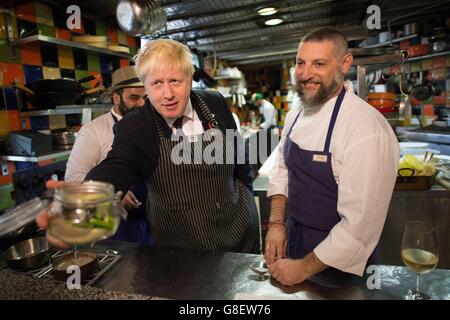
<point>200,206</point>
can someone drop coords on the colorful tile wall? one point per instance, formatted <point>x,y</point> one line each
<point>4,122</point>
<point>9,53</point>
<point>45,30</point>
<point>14,120</point>
<point>112,34</point>
<point>80,58</point>
<point>51,73</point>
<point>63,34</point>
<point>39,122</point>
<point>122,38</point>
<point>6,190</point>
<point>10,96</point>
<point>11,72</point>
<point>65,58</point>
<point>44,14</point>
<point>100,28</point>
<point>49,56</point>
<point>31,54</point>
<point>89,26</point>
<point>93,61</point>
<point>32,74</point>
<point>131,42</point>
<point>27,12</point>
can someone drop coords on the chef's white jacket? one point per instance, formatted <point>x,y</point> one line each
<point>365,156</point>
<point>93,142</point>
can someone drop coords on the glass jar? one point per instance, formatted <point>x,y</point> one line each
<point>83,213</point>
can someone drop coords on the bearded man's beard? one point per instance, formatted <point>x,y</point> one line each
<point>123,109</point>
<point>313,104</point>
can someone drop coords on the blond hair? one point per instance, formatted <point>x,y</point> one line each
<point>163,51</point>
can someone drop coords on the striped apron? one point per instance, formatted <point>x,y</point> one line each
<point>200,206</point>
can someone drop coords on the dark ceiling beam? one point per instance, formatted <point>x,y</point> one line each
<point>206,12</point>
<point>295,9</point>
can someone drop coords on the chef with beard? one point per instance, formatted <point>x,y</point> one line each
<point>94,141</point>
<point>335,171</point>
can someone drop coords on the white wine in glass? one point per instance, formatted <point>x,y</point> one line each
<point>419,253</point>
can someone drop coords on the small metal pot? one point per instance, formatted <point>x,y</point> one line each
<point>28,254</point>
<point>86,260</point>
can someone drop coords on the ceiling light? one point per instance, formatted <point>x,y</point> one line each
<point>267,11</point>
<point>273,22</point>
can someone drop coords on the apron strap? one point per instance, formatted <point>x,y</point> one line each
<point>114,117</point>
<point>293,124</point>
<point>333,119</point>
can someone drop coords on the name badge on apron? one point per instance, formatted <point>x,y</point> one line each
<point>320,158</point>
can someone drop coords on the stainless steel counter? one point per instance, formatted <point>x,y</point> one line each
<point>146,272</point>
<point>182,274</point>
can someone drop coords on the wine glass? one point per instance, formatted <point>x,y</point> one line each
<point>419,253</point>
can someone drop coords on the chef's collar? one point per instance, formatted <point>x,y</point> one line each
<point>115,114</point>
<point>188,113</point>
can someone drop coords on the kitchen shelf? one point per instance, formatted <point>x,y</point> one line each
<point>67,43</point>
<point>428,56</point>
<point>380,59</point>
<point>47,156</point>
<point>227,78</point>
<point>386,43</point>
<point>69,109</point>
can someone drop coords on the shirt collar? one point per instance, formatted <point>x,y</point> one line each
<point>118,116</point>
<point>188,113</point>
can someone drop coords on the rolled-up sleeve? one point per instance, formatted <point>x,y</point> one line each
<point>365,186</point>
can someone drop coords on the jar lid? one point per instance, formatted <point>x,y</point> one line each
<point>21,215</point>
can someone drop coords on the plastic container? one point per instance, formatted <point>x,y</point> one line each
<point>20,216</point>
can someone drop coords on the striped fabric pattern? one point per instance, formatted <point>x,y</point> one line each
<point>200,206</point>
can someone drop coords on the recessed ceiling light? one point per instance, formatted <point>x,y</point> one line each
<point>267,11</point>
<point>273,22</point>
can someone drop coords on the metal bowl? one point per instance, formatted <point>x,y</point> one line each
<point>28,254</point>
<point>139,17</point>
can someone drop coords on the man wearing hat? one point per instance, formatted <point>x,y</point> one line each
<point>267,111</point>
<point>94,141</point>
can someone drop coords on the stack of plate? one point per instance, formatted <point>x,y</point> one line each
<point>95,41</point>
<point>115,47</point>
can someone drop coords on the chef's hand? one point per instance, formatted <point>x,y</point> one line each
<point>129,201</point>
<point>276,242</point>
<point>43,218</point>
<point>288,271</point>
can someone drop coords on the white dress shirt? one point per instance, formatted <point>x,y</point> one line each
<point>93,142</point>
<point>192,124</point>
<point>365,156</point>
<point>268,111</point>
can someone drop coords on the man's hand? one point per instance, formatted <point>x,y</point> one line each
<point>290,272</point>
<point>42,218</point>
<point>276,242</point>
<point>130,202</point>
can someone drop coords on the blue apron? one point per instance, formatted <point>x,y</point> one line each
<point>313,192</point>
